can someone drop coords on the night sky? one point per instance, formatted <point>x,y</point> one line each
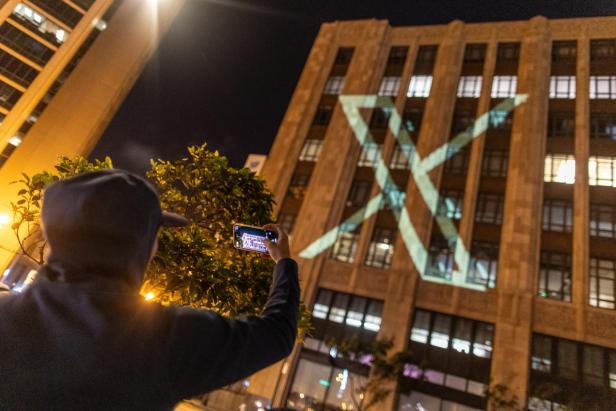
<point>225,72</point>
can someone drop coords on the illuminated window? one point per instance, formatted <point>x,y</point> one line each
<point>287,222</point>
<point>557,215</point>
<point>601,171</point>
<point>603,125</point>
<point>555,276</point>
<point>450,204</point>
<point>561,124</point>
<point>419,86</point>
<point>559,168</point>
<point>369,155</point>
<point>440,262</point>
<point>381,248</point>
<point>323,115</point>
<point>495,163</point>
<point>603,87</point>
<point>389,86</point>
<point>401,156</point>
<point>603,220</point>
<point>311,150</point>
<point>489,208</point>
<point>504,86</point>
<point>469,86</point>
<point>484,264</point>
<point>345,247</point>
<point>602,290</point>
<point>334,85</point>
<point>359,193</point>
<point>562,87</point>
<point>49,29</point>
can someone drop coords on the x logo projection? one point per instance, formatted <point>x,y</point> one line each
<point>392,197</point>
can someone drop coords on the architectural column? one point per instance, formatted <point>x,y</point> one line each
<point>521,232</point>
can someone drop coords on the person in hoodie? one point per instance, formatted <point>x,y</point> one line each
<point>82,338</point>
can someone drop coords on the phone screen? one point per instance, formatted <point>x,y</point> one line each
<point>250,238</point>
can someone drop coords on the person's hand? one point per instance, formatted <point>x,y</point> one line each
<point>279,249</point>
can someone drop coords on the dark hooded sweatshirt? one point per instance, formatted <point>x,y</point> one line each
<point>82,338</point>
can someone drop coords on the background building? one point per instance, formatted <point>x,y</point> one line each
<point>65,68</point>
<point>533,200</point>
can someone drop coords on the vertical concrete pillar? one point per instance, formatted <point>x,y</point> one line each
<point>521,232</point>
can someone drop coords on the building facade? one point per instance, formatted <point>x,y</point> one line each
<point>532,198</point>
<point>65,68</point>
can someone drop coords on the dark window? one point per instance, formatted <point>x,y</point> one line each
<point>441,260</point>
<point>555,276</point>
<point>602,290</point>
<point>401,156</point>
<point>411,119</point>
<point>60,10</point>
<point>16,70</point>
<point>381,248</point>
<point>24,44</point>
<point>508,52</point>
<point>397,55</point>
<point>450,204</point>
<point>603,125</point>
<point>8,96</point>
<point>380,118</point>
<point>602,49</point>
<point>557,215</point>
<point>489,208</point>
<point>462,122</point>
<point>458,163</point>
<point>603,220</point>
<point>359,193</point>
<point>494,163</point>
<point>561,124</point>
<point>484,264</point>
<point>287,222</point>
<point>298,186</point>
<point>344,55</point>
<point>84,4</point>
<point>500,120</point>
<point>345,246</point>
<point>475,53</point>
<point>564,51</point>
<point>426,55</point>
<point>323,115</point>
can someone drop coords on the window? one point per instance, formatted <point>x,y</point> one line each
<point>508,52</point>
<point>397,55</point>
<point>450,204</point>
<point>334,85</point>
<point>426,54</point>
<point>411,119</point>
<point>561,124</point>
<point>419,86</point>
<point>298,186</point>
<point>562,87</point>
<point>462,122</point>
<point>484,264</point>
<point>323,115</point>
<point>601,171</point>
<point>401,156</point>
<point>603,125</point>
<point>603,220</point>
<point>557,215</point>
<point>24,44</point>
<point>499,120</point>
<point>440,262</point>
<point>555,276</point>
<point>345,246</point>
<point>16,70</point>
<point>430,402</point>
<point>381,248</point>
<point>602,290</point>
<point>603,87</point>
<point>49,29</point>
<point>369,154</point>
<point>60,10</point>
<point>469,86</point>
<point>494,163</point>
<point>8,96</point>
<point>311,150</point>
<point>389,86</point>
<point>489,208</point>
<point>559,168</point>
<point>474,53</point>
<point>504,86</point>
<point>380,118</point>
<point>604,49</point>
<point>564,51</point>
<point>344,55</point>
<point>458,163</point>
<point>287,222</point>
<point>359,193</point>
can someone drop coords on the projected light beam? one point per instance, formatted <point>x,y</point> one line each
<point>395,198</point>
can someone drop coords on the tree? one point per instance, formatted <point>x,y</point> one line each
<point>197,265</point>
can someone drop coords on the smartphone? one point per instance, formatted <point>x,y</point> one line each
<point>249,238</point>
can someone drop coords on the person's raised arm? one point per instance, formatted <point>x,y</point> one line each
<point>209,351</point>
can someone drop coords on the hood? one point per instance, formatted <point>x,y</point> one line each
<point>102,223</point>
